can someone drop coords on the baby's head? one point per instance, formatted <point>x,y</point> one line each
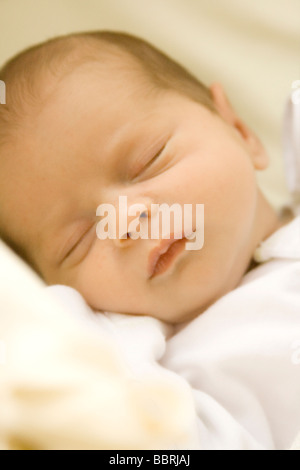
<point>94,116</point>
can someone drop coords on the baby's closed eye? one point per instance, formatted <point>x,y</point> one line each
<point>150,163</point>
<point>80,248</point>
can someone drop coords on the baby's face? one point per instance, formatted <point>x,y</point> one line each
<point>92,143</point>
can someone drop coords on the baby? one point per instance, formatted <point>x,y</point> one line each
<point>92,116</point>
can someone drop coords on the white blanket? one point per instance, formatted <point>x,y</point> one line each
<point>243,354</point>
<point>66,385</point>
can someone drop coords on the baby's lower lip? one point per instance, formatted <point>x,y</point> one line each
<point>166,259</point>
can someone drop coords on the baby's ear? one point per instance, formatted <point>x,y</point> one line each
<point>257,152</point>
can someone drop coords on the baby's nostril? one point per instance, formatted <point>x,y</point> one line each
<point>125,236</point>
<point>143,215</point>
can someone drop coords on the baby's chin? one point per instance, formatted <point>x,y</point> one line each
<point>188,317</point>
<point>181,317</point>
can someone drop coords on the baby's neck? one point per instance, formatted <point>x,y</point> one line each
<point>286,215</point>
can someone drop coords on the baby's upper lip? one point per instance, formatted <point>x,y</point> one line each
<point>159,250</point>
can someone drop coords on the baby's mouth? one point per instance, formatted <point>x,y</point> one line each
<point>162,256</point>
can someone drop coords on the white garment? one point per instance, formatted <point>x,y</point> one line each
<point>243,353</point>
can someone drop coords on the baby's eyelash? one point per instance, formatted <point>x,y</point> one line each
<point>143,168</point>
<point>156,156</point>
<point>78,242</point>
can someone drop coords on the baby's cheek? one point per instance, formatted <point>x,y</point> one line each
<point>96,279</point>
<point>238,185</point>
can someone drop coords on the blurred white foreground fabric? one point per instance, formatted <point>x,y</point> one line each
<point>65,386</point>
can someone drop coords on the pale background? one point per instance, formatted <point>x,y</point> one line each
<point>251,47</point>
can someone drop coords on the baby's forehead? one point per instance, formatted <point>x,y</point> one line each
<point>93,99</point>
<point>114,65</point>
<point>112,86</point>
